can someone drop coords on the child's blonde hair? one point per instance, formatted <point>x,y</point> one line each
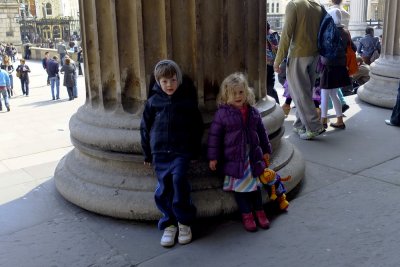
<point>230,84</point>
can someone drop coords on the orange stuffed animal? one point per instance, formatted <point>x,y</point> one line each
<point>276,190</point>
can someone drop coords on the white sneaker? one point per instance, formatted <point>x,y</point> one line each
<point>168,238</point>
<point>185,234</point>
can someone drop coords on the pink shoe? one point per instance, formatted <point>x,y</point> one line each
<point>248,222</point>
<point>262,219</point>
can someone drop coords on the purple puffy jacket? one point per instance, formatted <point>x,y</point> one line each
<point>228,137</point>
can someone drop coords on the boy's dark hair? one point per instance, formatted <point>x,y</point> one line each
<point>46,53</point>
<point>55,57</point>
<point>167,68</point>
<point>369,30</point>
<point>337,2</point>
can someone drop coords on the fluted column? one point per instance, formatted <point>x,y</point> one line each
<point>358,17</point>
<point>123,40</point>
<point>381,89</point>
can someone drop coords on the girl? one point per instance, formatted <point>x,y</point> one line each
<point>239,143</point>
<point>334,75</point>
<point>8,66</point>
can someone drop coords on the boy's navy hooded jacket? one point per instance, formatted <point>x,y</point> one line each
<point>171,124</point>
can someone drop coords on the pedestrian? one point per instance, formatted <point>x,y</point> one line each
<point>299,44</point>
<point>69,71</point>
<point>62,51</point>
<point>80,60</point>
<point>4,85</point>
<point>54,77</point>
<point>75,88</point>
<point>171,130</point>
<point>22,73</point>
<point>238,145</point>
<point>272,47</point>
<point>345,21</point>
<point>44,64</point>
<point>395,118</point>
<point>335,75</point>
<point>9,68</point>
<point>368,44</point>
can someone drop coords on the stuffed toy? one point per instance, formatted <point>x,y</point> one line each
<point>275,188</point>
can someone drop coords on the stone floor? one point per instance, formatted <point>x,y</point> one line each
<point>345,213</point>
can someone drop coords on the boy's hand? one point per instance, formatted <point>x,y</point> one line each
<point>213,165</point>
<point>147,163</point>
<point>266,159</point>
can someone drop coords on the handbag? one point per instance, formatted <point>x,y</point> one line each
<point>351,61</point>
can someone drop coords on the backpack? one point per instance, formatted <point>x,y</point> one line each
<point>329,39</point>
<point>272,47</point>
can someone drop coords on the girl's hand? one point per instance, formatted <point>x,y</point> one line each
<point>147,163</point>
<point>213,165</point>
<point>266,159</point>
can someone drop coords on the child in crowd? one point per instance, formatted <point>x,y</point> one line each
<point>239,143</point>
<point>9,68</point>
<point>171,130</point>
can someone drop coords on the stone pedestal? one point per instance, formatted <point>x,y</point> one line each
<point>123,40</point>
<point>381,89</point>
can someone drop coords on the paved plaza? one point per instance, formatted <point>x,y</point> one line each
<point>345,213</point>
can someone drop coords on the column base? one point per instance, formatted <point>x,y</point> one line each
<point>381,89</point>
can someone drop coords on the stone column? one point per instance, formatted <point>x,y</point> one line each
<point>122,42</point>
<point>358,17</point>
<point>381,89</point>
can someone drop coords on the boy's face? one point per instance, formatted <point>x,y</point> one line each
<point>169,85</point>
<point>239,97</point>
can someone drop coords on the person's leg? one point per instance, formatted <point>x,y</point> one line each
<point>23,86</point>
<point>52,84</point>
<point>301,78</point>
<point>11,84</point>
<point>243,200</point>
<point>75,89</point>
<point>70,93</point>
<point>27,87</point>
<point>256,200</point>
<point>271,83</point>
<point>164,194</point>
<point>395,117</point>
<point>182,204</point>
<point>333,94</point>
<point>324,107</point>
<point>57,79</point>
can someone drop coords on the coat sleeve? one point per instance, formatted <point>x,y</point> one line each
<point>145,128</point>
<point>215,138</point>
<point>263,136</point>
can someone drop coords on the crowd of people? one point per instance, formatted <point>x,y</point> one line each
<point>54,66</point>
<point>314,92</point>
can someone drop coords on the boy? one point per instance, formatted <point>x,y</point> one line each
<point>171,130</point>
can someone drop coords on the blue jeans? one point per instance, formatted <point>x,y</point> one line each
<point>5,97</point>
<point>395,118</point>
<point>55,81</point>
<point>172,194</point>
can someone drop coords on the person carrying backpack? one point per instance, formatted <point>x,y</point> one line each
<point>334,74</point>
<point>272,47</point>
<point>299,44</point>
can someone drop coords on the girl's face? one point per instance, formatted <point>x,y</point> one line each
<point>239,97</point>
<point>169,85</point>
